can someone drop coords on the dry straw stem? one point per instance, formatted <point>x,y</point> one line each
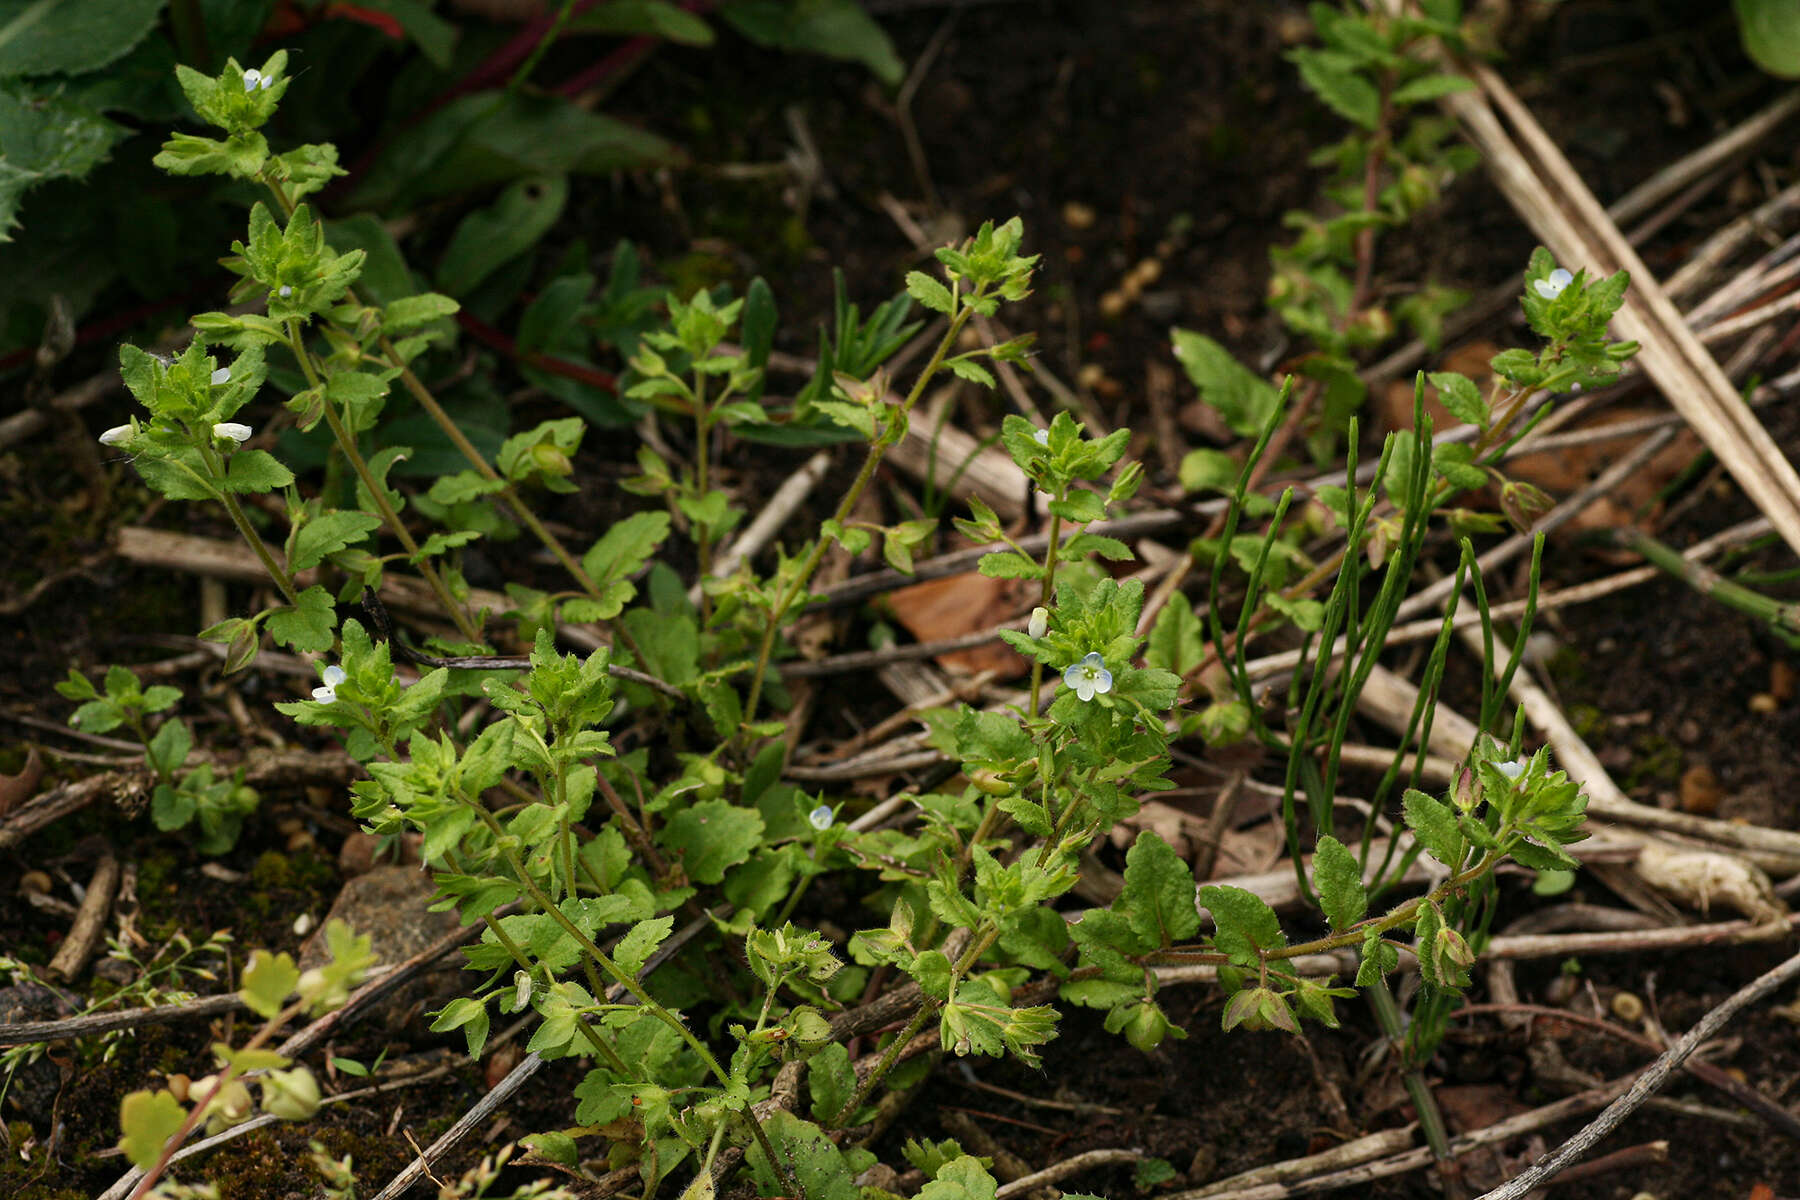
<point>1556,203</point>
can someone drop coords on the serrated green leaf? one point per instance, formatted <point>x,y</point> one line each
<point>1343,91</point>
<point>1339,884</point>
<point>45,37</point>
<point>1158,898</point>
<point>149,1120</point>
<point>1246,924</point>
<point>711,837</point>
<point>409,312</point>
<point>1430,87</point>
<point>329,533</point>
<point>1244,399</point>
<point>1435,827</point>
<point>268,981</point>
<point>929,292</point>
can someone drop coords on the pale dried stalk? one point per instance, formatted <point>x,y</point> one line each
<point>1556,203</point>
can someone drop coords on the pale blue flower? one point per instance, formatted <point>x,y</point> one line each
<point>232,431</point>
<point>222,375</point>
<point>1554,286</point>
<point>252,79</point>
<point>1512,770</point>
<point>334,675</point>
<point>820,817</point>
<point>1041,437</point>
<point>284,291</point>
<point>1089,677</point>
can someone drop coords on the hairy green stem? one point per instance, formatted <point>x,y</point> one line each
<point>877,451</point>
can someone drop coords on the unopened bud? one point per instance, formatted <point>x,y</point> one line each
<point>1039,624</point>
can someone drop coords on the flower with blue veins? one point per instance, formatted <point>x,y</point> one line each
<point>1089,677</point>
<point>1041,437</point>
<point>1513,769</point>
<point>334,675</point>
<point>1554,286</point>
<point>820,817</point>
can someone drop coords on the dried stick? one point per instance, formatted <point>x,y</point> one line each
<point>90,921</point>
<point>1413,1160</point>
<point>759,533</point>
<point>1736,141</point>
<point>1647,1083</point>
<point>23,1033</point>
<point>1349,1154</point>
<point>1067,1167</point>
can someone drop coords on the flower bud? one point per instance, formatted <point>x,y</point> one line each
<point>1146,1027</point>
<point>1039,624</point>
<point>551,460</point>
<point>291,1095</point>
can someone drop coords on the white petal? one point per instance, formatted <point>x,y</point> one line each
<point>252,77</point>
<point>334,675</point>
<point>284,290</point>
<point>232,430</point>
<point>222,375</point>
<point>820,817</point>
<point>268,81</point>
<point>115,435</point>
<point>324,695</point>
<point>1512,770</point>
<point>1041,437</point>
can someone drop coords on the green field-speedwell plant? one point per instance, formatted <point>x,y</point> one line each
<point>645,898</point>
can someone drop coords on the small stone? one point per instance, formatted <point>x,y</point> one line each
<point>1079,216</point>
<point>1700,790</point>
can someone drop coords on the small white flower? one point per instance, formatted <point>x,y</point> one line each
<point>1089,677</point>
<point>820,817</point>
<point>284,291</point>
<point>116,435</point>
<point>222,375</point>
<point>1513,769</point>
<point>334,675</point>
<point>268,81</point>
<point>1554,286</point>
<point>1039,623</point>
<point>252,78</point>
<point>232,431</point>
<point>1041,437</point>
<point>521,990</point>
<point>303,924</point>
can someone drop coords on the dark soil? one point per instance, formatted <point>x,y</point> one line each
<point>1163,120</point>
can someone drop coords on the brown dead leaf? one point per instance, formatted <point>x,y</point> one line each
<point>1558,472</point>
<point>17,789</point>
<point>957,605</point>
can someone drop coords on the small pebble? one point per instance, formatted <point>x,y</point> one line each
<point>1077,215</point>
<point>1700,790</point>
<point>1764,704</point>
<point>1628,1007</point>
